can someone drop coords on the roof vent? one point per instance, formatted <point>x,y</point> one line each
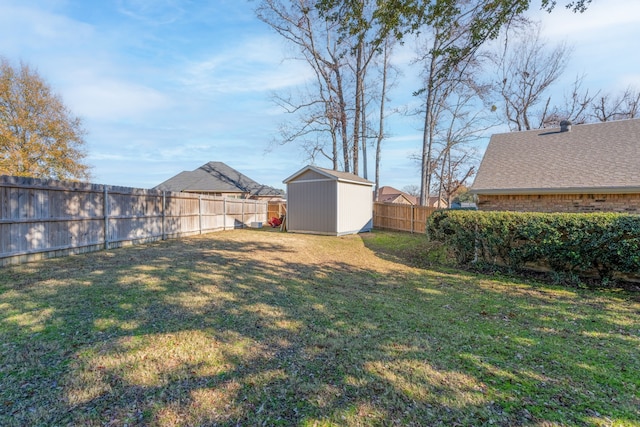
<point>565,126</point>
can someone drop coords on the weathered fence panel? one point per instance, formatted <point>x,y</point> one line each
<point>395,216</point>
<point>47,218</point>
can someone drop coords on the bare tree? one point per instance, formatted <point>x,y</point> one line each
<point>456,172</point>
<point>623,106</point>
<point>336,104</point>
<point>462,123</point>
<point>385,70</point>
<point>323,108</point>
<point>412,190</point>
<point>575,108</point>
<point>527,68</point>
<point>448,63</point>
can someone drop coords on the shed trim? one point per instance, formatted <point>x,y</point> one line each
<point>302,181</point>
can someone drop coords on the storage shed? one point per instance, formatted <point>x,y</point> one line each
<point>324,201</point>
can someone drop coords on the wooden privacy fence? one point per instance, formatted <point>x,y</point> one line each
<point>46,218</point>
<point>277,209</point>
<point>395,216</point>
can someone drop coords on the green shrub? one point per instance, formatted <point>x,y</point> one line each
<point>604,243</point>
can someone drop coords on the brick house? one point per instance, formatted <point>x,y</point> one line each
<point>583,168</point>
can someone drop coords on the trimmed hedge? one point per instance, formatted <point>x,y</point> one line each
<point>605,243</point>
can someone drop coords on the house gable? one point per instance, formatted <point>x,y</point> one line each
<point>217,177</point>
<point>387,194</point>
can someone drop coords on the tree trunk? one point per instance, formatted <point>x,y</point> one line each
<point>358,106</point>
<point>363,136</point>
<point>383,94</point>
<point>427,134</point>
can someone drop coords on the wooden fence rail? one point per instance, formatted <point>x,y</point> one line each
<point>395,216</point>
<point>46,218</point>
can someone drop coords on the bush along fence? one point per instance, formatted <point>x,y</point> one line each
<point>603,245</point>
<point>46,218</point>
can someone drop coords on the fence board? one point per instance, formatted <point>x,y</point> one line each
<point>276,209</point>
<point>400,217</point>
<point>45,218</point>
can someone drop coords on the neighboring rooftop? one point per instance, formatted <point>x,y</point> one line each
<point>600,157</point>
<point>217,177</point>
<point>389,194</point>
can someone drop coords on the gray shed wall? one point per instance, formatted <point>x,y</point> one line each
<point>311,206</point>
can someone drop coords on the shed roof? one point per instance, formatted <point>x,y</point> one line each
<point>599,157</point>
<point>330,174</point>
<point>217,177</point>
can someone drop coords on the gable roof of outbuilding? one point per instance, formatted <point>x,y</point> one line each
<point>599,157</point>
<point>330,174</point>
<point>217,177</point>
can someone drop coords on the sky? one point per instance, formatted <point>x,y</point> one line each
<point>164,86</point>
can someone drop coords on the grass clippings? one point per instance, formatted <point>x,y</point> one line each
<point>252,327</point>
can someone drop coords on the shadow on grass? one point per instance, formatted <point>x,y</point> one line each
<point>257,328</point>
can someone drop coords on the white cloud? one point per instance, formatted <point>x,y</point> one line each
<point>76,61</point>
<point>156,12</point>
<point>103,98</point>
<point>26,28</point>
<point>95,155</point>
<point>603,19</point>
<point>601,42</point>
<point>254,65</point>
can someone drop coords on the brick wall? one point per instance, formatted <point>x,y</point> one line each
<point>626,203</point>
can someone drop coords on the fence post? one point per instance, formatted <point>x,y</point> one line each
<point>105,207</point>
<point>413,217</point>
<point>224,213</point>
<point>163,208</point>
<point>200,212</point>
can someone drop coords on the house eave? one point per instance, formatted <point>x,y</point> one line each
<point>548,191</point>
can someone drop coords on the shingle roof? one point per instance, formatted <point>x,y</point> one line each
<point>217,177</point>
<point>389,194</point>
<point>339,176</point>
<point>591,157</point>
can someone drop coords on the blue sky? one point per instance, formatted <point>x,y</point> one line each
<point>168,85</point>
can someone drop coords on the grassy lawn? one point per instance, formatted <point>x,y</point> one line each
<point>264,328</point>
